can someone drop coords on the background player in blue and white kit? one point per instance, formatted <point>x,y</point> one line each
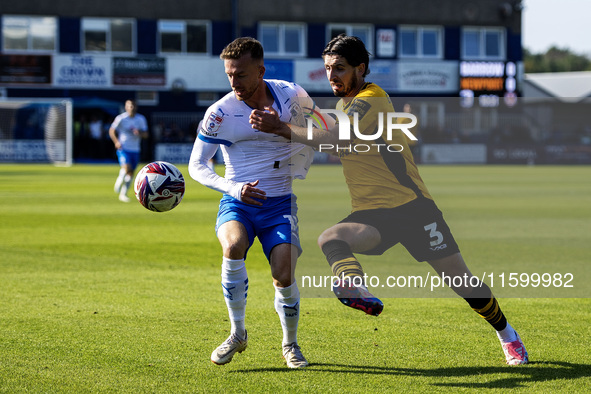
<point>258,200</point>
<point>127,131</point>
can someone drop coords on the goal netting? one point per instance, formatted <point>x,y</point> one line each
<point>36,131</point>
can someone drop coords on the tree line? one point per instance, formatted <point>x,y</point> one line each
<point>555,60</point>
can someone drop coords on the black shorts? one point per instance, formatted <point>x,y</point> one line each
<point>418,225</point>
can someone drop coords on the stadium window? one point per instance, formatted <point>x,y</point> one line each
<point>147,97</point>
<point>205,99</point>
<point>483,43</point>
<point>108,35</point>
<point>184,37</point>
<point>283,39</point>
<point>29,34</point>
<point>420,42</point>
<point>363,31</point>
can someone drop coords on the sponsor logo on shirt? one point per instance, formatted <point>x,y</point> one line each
<point>214,121</point>
<point>359,106</point>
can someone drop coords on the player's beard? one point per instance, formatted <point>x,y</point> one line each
<point>348,89</point>
<point>246,94</point>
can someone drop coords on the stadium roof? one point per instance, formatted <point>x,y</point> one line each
<point>566,86</point>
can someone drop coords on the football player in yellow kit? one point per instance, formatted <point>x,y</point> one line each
<point>390,202</point>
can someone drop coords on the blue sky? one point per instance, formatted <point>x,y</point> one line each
<point>564,23</point>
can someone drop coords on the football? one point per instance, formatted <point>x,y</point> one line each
<point>159,186</point>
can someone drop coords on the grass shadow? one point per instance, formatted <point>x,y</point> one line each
<point>517,376</point>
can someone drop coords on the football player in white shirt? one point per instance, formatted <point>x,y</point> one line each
<point>126,132</point>
<point>258,200</point>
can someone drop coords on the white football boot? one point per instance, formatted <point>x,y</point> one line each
<point>293,356</point>
<point>224,353</point>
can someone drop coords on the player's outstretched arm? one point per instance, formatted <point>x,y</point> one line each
<point>268,121</point>
<point>202,173</point>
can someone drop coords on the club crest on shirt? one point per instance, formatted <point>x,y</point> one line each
<point>214,121</point>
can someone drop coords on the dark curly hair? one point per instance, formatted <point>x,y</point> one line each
<point>349,47</point>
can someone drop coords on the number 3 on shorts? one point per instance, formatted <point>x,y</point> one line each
<point>434,234</point>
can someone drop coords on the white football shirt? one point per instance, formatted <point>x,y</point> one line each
<point>251,155</point>
<point>124,124</point>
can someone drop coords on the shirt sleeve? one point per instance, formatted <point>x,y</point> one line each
<point>116,122</point>
<point>200,171</point>
<point>364,108</point>
<point>144,124</point>
<point>214,128</point>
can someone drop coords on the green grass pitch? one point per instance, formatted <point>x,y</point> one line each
<point>101,296</point>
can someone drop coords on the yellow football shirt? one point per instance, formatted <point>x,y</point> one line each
<point>380,173</point>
